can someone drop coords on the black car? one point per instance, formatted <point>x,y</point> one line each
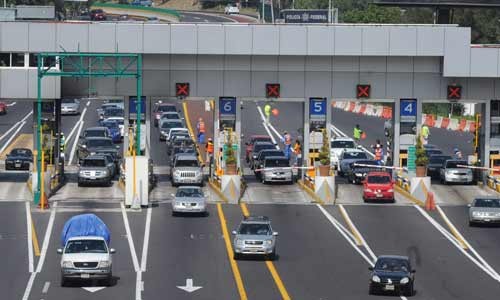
<point>180,142</point>
<point>435,164</point>
<point>358,170</point>
<point>259,161</point>
<point>394,274</point>
<point>433,151</point>
<point>19,159</point>
<point>94,145</point>
<point>257,147</point>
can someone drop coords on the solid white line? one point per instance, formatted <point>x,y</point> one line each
<point>365,244</point>
<point>129,238</point>
<point>145,245</point>
<point>46,241</point>
<point>88,103</point>
<point>30,237</point>
<point>75,142</point>
<point>46,287</point>
<point>11,104</point>
<point>264,123</point>
<point>12,136</point>
<point>333,128</point>
<point>82,115</point>
<point>138,286</point>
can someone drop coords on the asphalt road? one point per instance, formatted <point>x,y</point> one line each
<point>11,125</point>
<point>193,17</point>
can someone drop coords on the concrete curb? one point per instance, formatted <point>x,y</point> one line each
<point>217,191</point>
<point>311,193</point>
<point>406,194</point>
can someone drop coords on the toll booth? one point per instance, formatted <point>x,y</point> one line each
<point>227,131</point>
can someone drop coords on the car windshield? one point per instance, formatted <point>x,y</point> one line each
<point>189,192</point>
<point>110,124</point>
<point>260,139</point>
<point>258,147</point>
<point>167,125</point>
<point>68,101</point>
<point>100,143</point>
<point>86,246</point>
<point>95,133</point>
<point>183,142</point>
<point>94,162</point>
<point>377,179</point>
<point>438,159</point>
<point>430,152</point>
<point>254,229</point>
<point>366,162</point>
<point>184,150</point>
<point>343,144</point>
<point>186,163</point>
<point>279,162</point>
<point>113,112</point>
<point>170,116</point>
<point>355,155</point>
<point>20,152</point>
<point>265,153</point>
<point>455,164</point>
<point>392,265</point>
<point>166,108</point>
<point>487,203</point>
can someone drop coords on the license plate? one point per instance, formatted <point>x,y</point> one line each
<point>389,287</point>
<point>85,276</point>
<point>18,165</point>
<point>92,177</point>
<point>379,195</point>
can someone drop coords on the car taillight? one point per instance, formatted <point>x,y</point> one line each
<point>368,190</point>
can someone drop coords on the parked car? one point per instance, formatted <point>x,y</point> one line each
<point>180,131</point>
<point>3,108</point>
<point>378,186</point>
<point>114,129</point>
<point>452,173</point>
<point>96,169</point>
<point>484,211</point>
<point>359,169</point>
<point>337,146</point>
<point>348,157</point>
<point>393,274</point>
<point>189,199</point>
<point>96,132</point>
<point>97,15</point>
<point>254,139</point>
<point>162,108</point>
<point>259,162</point>
<point>435,164</point>
<point>180,151</point>
<point>70,106</point>
<point>186,170</point>
<point>94,145</point>
<point>256,148</point>
<point>231,8</point>
<point>177,135</point>
<point>255,236</point>
<point>166,126</point>
<point>19,159</point>
<point>274,171</point>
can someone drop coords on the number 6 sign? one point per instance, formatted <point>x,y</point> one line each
<point>227,107</point>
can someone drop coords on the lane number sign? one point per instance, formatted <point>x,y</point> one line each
<point>408,111</point>
<point>227,107</point>
<point>317,106</point>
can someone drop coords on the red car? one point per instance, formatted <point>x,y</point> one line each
<point>378,186</point>
<point>97,15</point>
<point>253,139</point>
<point>3,108</point>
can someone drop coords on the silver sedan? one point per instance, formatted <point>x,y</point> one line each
<point>484,211</point>
<point>189,199</point>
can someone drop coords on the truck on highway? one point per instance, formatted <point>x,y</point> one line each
<point>86,253</point>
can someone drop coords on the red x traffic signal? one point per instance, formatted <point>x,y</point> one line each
<point>182,89</point>
<point>454,92</point>
<point>363,91</point>
<point>272,90</point>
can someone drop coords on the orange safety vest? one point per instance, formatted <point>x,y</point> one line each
<point>296,149</point>
<point>201,127</point>
<point>210,147</point>
<point>378,154</point>
<point>288,139</point>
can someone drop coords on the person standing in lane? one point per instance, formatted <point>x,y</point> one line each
<point>200,127</point>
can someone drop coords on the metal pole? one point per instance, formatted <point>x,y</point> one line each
<point>139,104</point>
<point>39,126</point>
<point>272,11</point>
<point>263,11</point>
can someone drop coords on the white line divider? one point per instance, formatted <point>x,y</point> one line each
<point>365,244</point>
<point>265,124</point>
<point>456,243</point>
<point>129,238</point>
<point>13,136</point>
<point>45,246</point>
<point>445,217</point>
<point>338,131</point>
<point>11,104</point>
<point>75,143</point>
<point>147,231</point>
<point>15,125</point>
<point>82,115</point>
<point>30,237</point>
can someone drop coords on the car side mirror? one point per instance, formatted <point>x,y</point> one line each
<point>359,146</point>
<point>59,251</point>
<point>112,250</point>
<point>370,268</point>
<point>233,232</point>
<point>413,271</point>
<point>275,233</point>
<point>469,205</point>
<point>172,195</point>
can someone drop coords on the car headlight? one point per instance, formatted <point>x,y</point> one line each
<point>375,278</point>
<point>177,173</point>
<point>92,153</point>
<point>82,173</point>
<point>359,174</point>
<point>178,203</point>
<point>369,190</point>
<point>390,190</point>
<point>104,264</point>
<point>67,264</point>
<point>405,280</point>
<point>269,242</point>
<point>238,242</point>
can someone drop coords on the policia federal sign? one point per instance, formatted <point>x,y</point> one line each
<point>305,15</point>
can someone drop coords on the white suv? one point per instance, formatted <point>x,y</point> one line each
<point>337,146</point>
<point>231,8</point>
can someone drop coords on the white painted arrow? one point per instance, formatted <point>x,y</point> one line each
<point>94,289</point>
<point>189,286</point>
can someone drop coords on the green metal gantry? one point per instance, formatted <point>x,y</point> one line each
<point>86,65</point>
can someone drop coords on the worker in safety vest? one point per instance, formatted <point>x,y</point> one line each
<point>287,140</point>
<point>200,127</point>
<point>357,133</point>
<point>267,111</point>
<point>62,145</point>
<point>379,154</point>
<point>297,150</point>
<point>210,150</point>
<point>425,132</point>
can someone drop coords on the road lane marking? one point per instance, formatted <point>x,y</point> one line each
<point>454,242</point>
<point>29,229</point>
<point>138,286</point>
<point>46,287</point>
<point>129,238</point>
<point>46,241</point>
<point>13,127</point>
<point>36,246</point>
<point>145,245</point>
<point>353,229</point>
<point>338,131</point>
<point>452,228</point>
<point>265,124</point>
<point>14,135</point>
<point>407,195</point>
<point>73,149</point>
<point>11,104</point>
<point>191,131</point>
<point>356,231</point>
<point>270,265</point>
<point>229,249</point>
<point>23,140</point>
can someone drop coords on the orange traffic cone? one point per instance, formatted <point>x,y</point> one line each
<point>430,204</point>
<point>44,203</point>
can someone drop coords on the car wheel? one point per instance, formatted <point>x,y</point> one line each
<point>409,291</point>
<point>371,290</point>
<point>79,183</point>
<point>64,281</point>
<point>472,224</point>
<point>236,256</point>
<point>272,256</point>
<point>174,213</point>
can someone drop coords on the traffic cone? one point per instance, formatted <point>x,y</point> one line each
<point>430,204</point>
<point>44,203</point>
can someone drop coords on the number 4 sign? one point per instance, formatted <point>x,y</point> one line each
<point>408,111</point>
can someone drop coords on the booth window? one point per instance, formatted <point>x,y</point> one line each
<point>4,59</point>
<point>47,62</point>
<point>17,60</point>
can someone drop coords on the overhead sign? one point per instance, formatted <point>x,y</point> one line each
<point>317,113</point>
<point>227,108</point>
<point>363,91</point>
<point>132,108</point>
<point>454,92</point>
<point>182,89</point>
<point>305,15</point>
<point>272,90</point>
<point>408,111</point>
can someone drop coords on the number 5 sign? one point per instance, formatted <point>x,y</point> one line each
<point>317,106</point>
<point>227,108</point>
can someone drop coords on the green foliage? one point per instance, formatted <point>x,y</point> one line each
<point>230,155</point>
<point>421,157</point>
<point>373,14</point>
<point>324,154</point>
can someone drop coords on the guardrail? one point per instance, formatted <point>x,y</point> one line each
<point>155,10</point>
